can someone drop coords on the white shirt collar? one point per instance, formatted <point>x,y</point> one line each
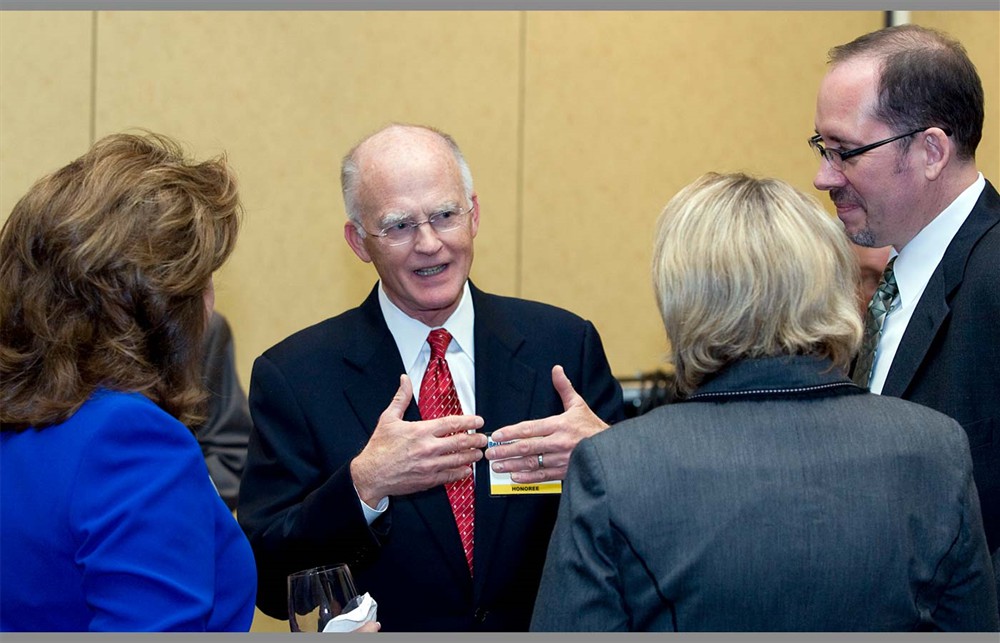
<point>411,334</point>
<point>921,256</point>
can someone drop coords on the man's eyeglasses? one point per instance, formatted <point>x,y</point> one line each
<point>836,158</point>
<point>404,231</point>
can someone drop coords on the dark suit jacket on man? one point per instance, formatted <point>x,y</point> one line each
<point>316,398</point>
<point>224,434</point>
<point>780,498</point>
<point>949,356</point>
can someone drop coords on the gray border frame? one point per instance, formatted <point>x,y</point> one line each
<point>569,637</point>
<point>493,5</point>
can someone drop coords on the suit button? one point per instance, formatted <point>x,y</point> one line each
<point>481,615</point>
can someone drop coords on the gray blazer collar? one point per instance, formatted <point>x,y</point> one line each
<point>786,375</point>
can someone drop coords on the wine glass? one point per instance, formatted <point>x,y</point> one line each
<point>316,596</point>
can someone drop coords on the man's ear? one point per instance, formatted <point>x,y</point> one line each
<point>937,149</point>
<point>356,241</point>
<point>475,215</point>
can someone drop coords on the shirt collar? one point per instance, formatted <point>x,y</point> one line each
<point>411,334</point>
<point>921,256</point>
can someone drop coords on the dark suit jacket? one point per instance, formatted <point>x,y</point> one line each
<point>949,357</point>
<point>780,498</point>
<point>316,398</point>
<point>224,435</point>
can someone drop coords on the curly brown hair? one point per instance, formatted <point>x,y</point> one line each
<point>104,266</point>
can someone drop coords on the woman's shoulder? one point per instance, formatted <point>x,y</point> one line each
<point>106,403</point>
<point>107,400</point>
<point>122,416</point>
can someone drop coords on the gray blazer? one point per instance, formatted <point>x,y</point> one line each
<point>780,497</point>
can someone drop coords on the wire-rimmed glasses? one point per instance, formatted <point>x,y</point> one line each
<point>404,230</point>
<point>836,157</point>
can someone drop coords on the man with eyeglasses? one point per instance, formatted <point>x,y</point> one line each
<point>898,118</point>
<point>349,461</point>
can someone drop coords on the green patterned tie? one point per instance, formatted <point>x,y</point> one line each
<point>878,307</point>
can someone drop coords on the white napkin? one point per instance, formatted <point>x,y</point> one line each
<point>366,611</point>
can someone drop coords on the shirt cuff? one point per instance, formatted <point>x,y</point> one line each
<point>371,515</point>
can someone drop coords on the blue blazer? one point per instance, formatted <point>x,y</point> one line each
<point>316,398</point>
<point>110,523</point>
<point>780,497</point>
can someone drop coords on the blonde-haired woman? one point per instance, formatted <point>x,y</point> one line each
<point>109,519</point>
<point>778,496</point>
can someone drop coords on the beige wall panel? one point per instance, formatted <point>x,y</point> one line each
<point>979,31</point>
<point>44,96</point>
<point>286,94</point>
<point>622,109</point>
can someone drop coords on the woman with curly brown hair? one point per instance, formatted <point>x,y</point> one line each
<point>109,518</point>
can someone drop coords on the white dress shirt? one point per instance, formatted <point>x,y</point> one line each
<point>914,266</point>
<point>411,340</point>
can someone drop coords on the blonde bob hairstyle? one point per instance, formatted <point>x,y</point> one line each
<point>748,267</point>
<point>104,269</point>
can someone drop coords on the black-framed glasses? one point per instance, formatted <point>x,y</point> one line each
<point>402,231</point>
<point>836,158</point>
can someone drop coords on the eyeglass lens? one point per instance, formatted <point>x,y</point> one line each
<point>406,230</point>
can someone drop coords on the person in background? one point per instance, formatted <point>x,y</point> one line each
<point>899,115</point>
<point>778,495</point>
<point>369,427</point>
<point>109,519</point>
<point>224,434</point>
<point>871,262</point>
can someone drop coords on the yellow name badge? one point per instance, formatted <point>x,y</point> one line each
<point>502,485</point>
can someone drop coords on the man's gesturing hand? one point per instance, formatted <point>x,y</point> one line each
<point>553,438</point>
<point>405,457</point>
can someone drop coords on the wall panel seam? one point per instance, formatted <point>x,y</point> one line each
<point>93,78</point>
<point>519,200</point>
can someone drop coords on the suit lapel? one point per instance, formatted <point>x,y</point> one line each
<point>935,302</point>
<point>932,309</point>
<point>504,389</point>
<point>377,363</point>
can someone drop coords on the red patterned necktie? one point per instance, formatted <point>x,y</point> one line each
<point>438,398</point>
